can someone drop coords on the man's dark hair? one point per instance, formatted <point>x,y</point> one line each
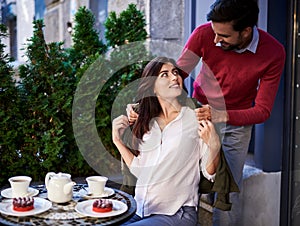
<point>243,13</point>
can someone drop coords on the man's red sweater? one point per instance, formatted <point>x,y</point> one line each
<point>243,84</point>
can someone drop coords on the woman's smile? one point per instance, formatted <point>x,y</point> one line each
<point>176,85</point>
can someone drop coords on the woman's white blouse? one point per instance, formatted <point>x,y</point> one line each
<point>168,166</point>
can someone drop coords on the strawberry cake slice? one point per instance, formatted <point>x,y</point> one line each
<point>102,205</point>
<point>23,204</point>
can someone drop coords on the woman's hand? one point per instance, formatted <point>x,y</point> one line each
<point>207,132</point>
<point>119,124</point>
<point>131,114</point>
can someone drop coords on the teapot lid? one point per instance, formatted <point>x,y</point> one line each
<point>61,175</point>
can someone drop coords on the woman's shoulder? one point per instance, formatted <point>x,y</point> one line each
<point>188,112</point>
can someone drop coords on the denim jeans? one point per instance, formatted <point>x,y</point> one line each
<point>235,144</point>
<point>185,216</point>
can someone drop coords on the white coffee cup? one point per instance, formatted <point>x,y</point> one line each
<point>19,185</point>
<point>96,184</point>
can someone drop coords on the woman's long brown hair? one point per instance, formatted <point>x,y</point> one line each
<point>149,106</point>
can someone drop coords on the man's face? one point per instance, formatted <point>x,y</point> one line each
<point>230,39</point>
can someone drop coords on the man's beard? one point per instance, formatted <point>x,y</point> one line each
<point>229,47</point>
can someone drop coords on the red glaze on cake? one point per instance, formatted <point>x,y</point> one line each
<point>102,205</point>
<point>23,204</point>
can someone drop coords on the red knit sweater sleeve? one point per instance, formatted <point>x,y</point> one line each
<point>237,74</point>
<point>265,97</point>
<point>191,53</point>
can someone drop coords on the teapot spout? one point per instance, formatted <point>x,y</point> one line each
<point>68,187</point>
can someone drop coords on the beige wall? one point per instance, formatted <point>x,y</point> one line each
<point>25,14</point>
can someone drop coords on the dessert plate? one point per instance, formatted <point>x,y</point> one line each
<point>7,193</point>
<point>107,193</point>
<point>86,208</point>
<point>40,206</point>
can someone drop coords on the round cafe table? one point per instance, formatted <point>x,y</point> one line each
<point>65,214</point>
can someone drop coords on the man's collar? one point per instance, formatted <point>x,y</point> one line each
<point>253,44</point>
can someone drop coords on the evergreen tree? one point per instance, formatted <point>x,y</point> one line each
<point>85,38</point>
<point>103,81</point>
<point>48,82</point>
<point>128,27</point>
<point>126,34</point>
<point>36,116</point>
<point>9,112</point>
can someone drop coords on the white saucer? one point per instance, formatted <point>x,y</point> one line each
<point>40,206</point>
<point>107,193</point>
<point>7,193</point>
<point>86,208</point>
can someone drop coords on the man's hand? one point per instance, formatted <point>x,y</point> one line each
<point>203,113</point>
<point>131,114</point>
<point>208,113</point>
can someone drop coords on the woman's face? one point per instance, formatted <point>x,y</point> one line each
<point>168,83</point>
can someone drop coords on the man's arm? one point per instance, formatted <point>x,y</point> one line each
<point>265,97</point>
<point>190,55</point>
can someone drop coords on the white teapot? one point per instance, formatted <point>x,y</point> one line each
<point>59,187</point>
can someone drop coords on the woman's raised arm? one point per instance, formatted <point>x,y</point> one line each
<point>119,124</point>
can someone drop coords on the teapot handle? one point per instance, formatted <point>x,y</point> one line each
<point>47,178</point>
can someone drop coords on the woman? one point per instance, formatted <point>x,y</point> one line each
<point>170,144</point>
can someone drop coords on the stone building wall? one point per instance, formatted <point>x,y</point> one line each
<point>119,5</point>
<point>164,19</point>
<point>57,15</point>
